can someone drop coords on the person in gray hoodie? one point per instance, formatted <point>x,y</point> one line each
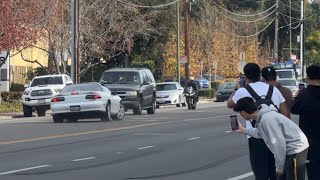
<point>283,137</point>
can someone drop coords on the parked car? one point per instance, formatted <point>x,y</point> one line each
<point>170,93</point>
<point>136,87</point>
<point>204,83</point>
<point>292,84</point>
<point>86,100</point>
<point>225,90</point>
<point>39,92</point>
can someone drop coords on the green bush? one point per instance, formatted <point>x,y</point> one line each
<point>207,93</point>
<point>11,96</point>
<point>6,107</point>
<point>17,87</point>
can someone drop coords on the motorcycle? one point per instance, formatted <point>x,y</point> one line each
<point>191,98</point>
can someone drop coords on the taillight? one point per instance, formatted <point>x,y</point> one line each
<point>94,97</point>
<point>57,99</point>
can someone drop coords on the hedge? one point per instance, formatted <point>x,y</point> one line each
<point>207,93</point>
<point>17,87</point>
<point>8,107</point>
<point>11,96</point>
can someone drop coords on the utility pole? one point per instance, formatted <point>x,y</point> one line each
<point>275,56</point>
<point>178,42</point>
<point>290,34</point>
<point>186,36</point>
<point>301,43</point>
<point>74,40</point>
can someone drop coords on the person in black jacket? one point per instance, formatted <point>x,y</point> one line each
<point>307,106</point>
<point>194,86</point>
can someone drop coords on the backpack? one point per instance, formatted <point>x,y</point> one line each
<point>259,100</point>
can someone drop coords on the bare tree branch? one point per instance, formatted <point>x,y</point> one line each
<point>35,61</point>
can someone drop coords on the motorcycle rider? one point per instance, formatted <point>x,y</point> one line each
<point>194,86</point>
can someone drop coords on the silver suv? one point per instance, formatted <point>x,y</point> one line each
<point>39,92</point>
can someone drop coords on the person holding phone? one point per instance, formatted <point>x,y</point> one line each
<point>283,137</point>
<point>307,106</point>
<point>261,158</point>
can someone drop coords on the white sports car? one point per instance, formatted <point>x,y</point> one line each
<point>170,93</point>
<point>86,100</point>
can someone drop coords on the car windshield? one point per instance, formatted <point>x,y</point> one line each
<point>166,87</point>
<point>230,85</point>
<point>121,77</point>
<point>285,74</point>
<point>81,87</point>
<point>46,81</point>
<point>287,82</point>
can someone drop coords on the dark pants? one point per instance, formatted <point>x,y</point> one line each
<point>295,166</point>
<point>262,160</point>
<point>313,170</point>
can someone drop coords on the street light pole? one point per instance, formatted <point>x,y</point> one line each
<point>301,43</point>
<point>178,42</point>
<point>74,39</point>
<point>275,54</point>
<point>290,34</point>
<point>186,36</point>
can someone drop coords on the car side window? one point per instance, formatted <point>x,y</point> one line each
<point>150,75</point>
<point>145,77</point>
<point>65,79</point>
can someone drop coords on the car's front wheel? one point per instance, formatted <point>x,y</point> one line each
<point>27,111</point>
<point>138,110</point>
<point>120,114</point>
<point>152,110</point>
<point>57,118</point>
<point>107,115</point>
<point>41,111</point>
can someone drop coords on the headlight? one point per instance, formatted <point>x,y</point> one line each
<point>132,93</point>
<point>26,92</point>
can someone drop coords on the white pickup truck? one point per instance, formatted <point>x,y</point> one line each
<point>39,92</point>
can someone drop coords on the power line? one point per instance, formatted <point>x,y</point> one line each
<point>154,6</point>
<point>288,16</point>
<point>243,15</point>
<point>241,21</point>
<point>227,32</point>
<point>289,6</point>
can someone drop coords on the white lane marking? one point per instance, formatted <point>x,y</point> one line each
<point>228,132</point>
<point>146,147</point>
<point>242,176</point>
<point>120,152</point>
<point>83,159</point>
<point>194,138</point>
<point>25,169</point>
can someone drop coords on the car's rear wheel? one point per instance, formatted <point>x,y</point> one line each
<point>41,111</point>
<point>107,115</point>
<point>152,110</point>
<point>27,111</point>
<point>120,114</point>
<point>57,118</point>
<point>138,110</point>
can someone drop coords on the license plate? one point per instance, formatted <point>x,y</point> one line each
<point>74,108</point>
<point>41,101</point>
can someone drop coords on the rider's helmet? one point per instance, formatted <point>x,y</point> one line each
<point>191,78</point>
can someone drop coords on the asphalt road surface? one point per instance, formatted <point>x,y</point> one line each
<point>173,144</point>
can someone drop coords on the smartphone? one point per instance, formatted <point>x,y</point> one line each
<point>242,80</point>
<point>234,122</point>
<point>301,86</point>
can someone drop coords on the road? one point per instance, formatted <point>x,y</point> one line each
<point>173,144</point>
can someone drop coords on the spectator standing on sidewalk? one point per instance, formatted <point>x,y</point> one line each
<point>307,106</point>
<point>283,137</point>
<point>261,158</point>
<point>269,76</point>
